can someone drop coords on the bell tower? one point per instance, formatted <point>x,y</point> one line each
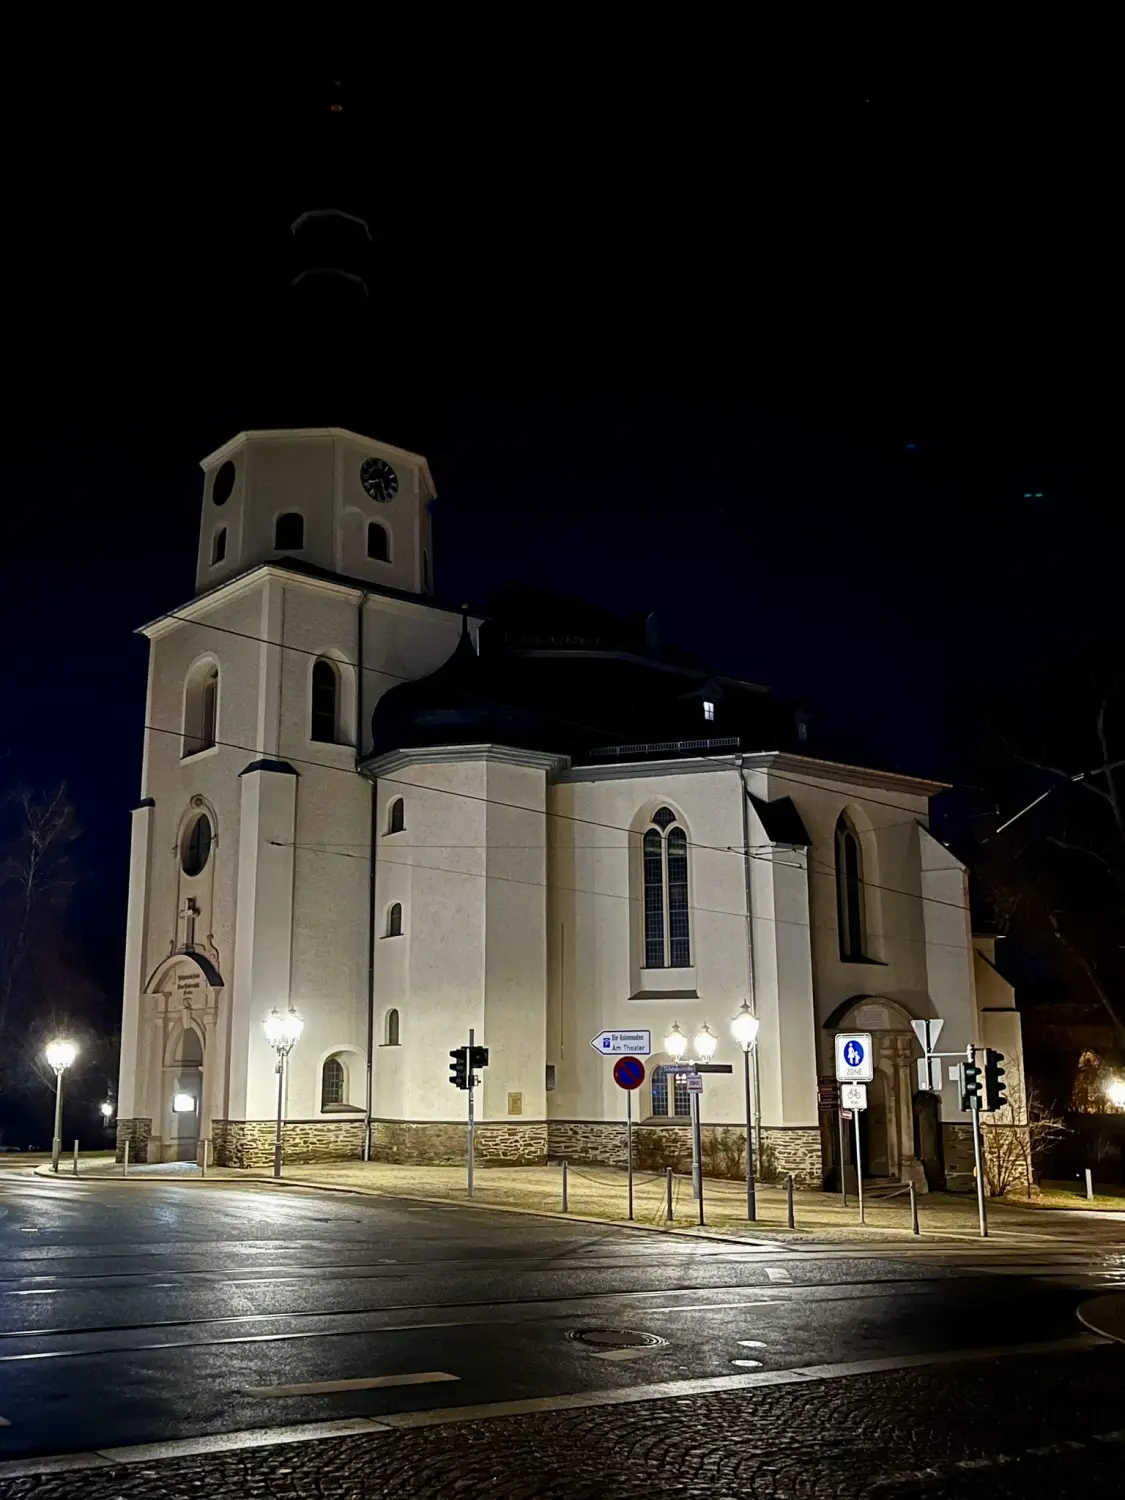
<point>323,496</point>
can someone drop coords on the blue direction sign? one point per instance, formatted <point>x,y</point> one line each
<point>854,1059</point>
<point>628,1072</point>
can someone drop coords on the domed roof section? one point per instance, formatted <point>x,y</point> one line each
<point>459,704</point>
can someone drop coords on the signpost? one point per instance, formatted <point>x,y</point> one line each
<point>694,1083</point>
<point>629,1074</point>
<point>623,1043</point>
<point>855,1068</point>
<point>854,1057</point>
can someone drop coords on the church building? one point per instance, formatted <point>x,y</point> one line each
<point>403,820</point>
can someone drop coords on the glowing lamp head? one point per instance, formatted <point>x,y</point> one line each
<point>675,1043</point>
<point>705,1043</point>
<point>283,1031</point>
<point>60,1055</point>
<point>1116,1092</point>
<point>744,1027</point>
<point>183,1104</point>
<point>107,1109</point>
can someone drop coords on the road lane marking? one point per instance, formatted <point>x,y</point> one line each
<point>778,1273</point>
<point>716,1306</point>
<point>364,1383</point>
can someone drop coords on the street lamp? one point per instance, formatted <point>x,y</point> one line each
<point>744,1028</point>
<point>675,1043</point>
<point>282,1033</point>
<point>59,1054</point>
<point>705,1043</point>
<point>1116,1092</point>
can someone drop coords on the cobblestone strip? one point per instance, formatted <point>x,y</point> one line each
<point>1046,1426</point>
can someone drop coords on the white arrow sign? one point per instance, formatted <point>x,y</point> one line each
<point>927,1033</point>
<point>623,1043</point>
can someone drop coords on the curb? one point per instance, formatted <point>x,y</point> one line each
<point>785,1240</point>
<point>1104,1316</point>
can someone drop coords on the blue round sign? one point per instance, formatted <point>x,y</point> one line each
<point>853,1053</point>
<point>628,1072</point>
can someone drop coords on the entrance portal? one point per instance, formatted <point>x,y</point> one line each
<point>183,1081</point>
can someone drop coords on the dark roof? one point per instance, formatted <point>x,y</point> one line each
<point>576,694</point>
<point>781,821</point>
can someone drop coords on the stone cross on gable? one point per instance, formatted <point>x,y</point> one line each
<point>188,913</point>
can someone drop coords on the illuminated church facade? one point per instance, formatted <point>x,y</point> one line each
<point>403,821</point>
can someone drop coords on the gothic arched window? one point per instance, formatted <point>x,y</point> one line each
<point>667,928</point>
<point>289,532</point>
<point>325,692</point>
<point>394,920</point>
<point>201,708</point>
<point>378,542</point>
<point>396,816</point>
<point>218,546</point>
<point>391,1029</point>
<point>849,892</point>
<point>333,1083</point>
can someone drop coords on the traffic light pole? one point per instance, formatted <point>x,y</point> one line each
<point>978,1153</point>
<point>472,1120</point>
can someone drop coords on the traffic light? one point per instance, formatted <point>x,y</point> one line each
<point>995,1089</point>
<point>478,1057</point>
<point>458,1069</point>
<point>970,1085</point>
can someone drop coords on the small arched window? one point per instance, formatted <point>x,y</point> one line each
<point>289,532</point>
<point>394,920</point>
<point>218,546</point>
<point>396,816</point>
<point>390,1030</point>
<point>333,1083</point>
<point>378,542</point>
<point>325,696</point>
<point>201,708</point>
<point>849,892</point>
<point>667,925</point>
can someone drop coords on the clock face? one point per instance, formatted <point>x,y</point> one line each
<point>379,479</point>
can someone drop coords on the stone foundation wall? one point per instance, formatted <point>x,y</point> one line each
<point>796,1149</point>
<point>249,1143</point>
<point>138,1133</point>
<point>668,1143</point>
<point>957,1142</point>
<point>443,1143</point>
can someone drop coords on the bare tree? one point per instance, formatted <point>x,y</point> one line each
<point>1015,1139</point>
<point>36,878</point>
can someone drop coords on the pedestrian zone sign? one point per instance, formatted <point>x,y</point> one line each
<point>854,1062</point>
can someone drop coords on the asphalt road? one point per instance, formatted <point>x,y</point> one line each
<point>143,1313</point>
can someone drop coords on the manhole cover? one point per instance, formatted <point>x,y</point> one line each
<point>615,1338</point>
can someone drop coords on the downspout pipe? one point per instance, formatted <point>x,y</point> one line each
<point>744,798</point>
<point>369,1082</point>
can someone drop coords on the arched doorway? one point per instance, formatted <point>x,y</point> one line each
<point>183,1090</point>
<point>887,1130</point>
<point>928,1145</point>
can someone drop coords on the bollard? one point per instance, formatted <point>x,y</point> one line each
<point>668,1184</point>
<point>76,1158</point>
<point>566,1196</point>
<point>914,1210</point>
<point>125,1159</point>
<point>789,1199</point>
<point>204,1144</point>
<point>1089,1183</point>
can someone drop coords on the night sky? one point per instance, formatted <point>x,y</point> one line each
<point>782,365</point>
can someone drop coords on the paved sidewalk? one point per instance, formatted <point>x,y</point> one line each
<point>600,1194</point>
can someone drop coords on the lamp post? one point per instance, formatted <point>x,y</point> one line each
<point>59,1054</point>
<point>744,1028</point>
<point>105,1109</point>
<point>282,1033</point>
